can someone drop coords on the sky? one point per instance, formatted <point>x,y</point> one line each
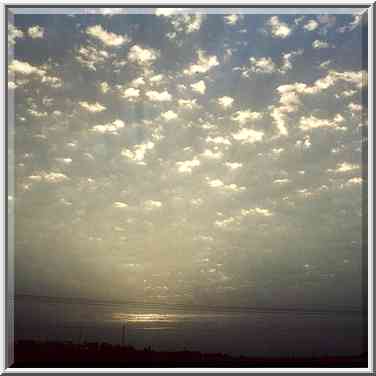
<point>179,156</point>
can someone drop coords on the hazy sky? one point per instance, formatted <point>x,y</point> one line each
<point>188,157</point>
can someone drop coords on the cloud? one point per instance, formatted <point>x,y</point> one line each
<point>107,38</point>
<point>54,82</point>
<point>243,117</point>
<point>287,60</point>
<point>131,93</point>
<point>225,102</point>
<point>233,165</point>
<point>182,23</point>
<point>196,201</point>
<point>92,107</point>
<point>35,32</point>
<point>110,128</point>
<point>354,107</point>
<point>169,115</point>
<point>90,57</point>
<point>142,56</point>
<point>278,28</point>
<point>249,136</point>
<point>305,143</point>
<point>355,181</point>
<point>66,161</point>
<point>138,153</point>
<point>188,103</point>
<point>312,122</point>
<point>224,223</point>
<point>357,18</point>
<point>257,211</point>
<point>187,166</point>
<point>156,96</point>
<point>231,19</point>
<point>281,181</point>
<point>217,183</point>
<point>262,65</point>
<point>25,68</point>
<point>156,78</point>
<point>139,81</point>
<point>152,205</point>
<point>207,153</point>
<point>104,87</point>
<point>55,177</point>
<point>199,87</point>
<point>218,140</point>
<point>265,65</point>
<point>120,205</point>
<point>320,44</point>
<point>13,34</point>
<point>311,25</point>
<point>203,65</point>
<point>346,167</point>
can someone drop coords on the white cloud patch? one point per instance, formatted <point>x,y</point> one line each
<point>245,116</point>
<point>54,177</point>
<point>107,38</point>
<point>232,19</point>
<point>225,102</point>
<point>92,107</point>
<point>262,65</point>
<point>152,205</point>
<point>318,44</point>
<point>169,115</point>
<point>203,65</point>
<point>131,93</point>
<point>357,18</point>
<point>138,153</point>
<point>346,167</point>
<point>199,87</point>
<point>187,166</point>
<point>355,181</point>
<point>188,103</point>
<point>210,154</point>
<point>218,140</point>
<point>182,23</point>
<point>311,25</point>
<point>13,34</point>
<point>142,56</point>
<point>278,28</point>
<point>90,57</point>
<point>120,205</point>
<point>25,68</point>
<point>248,136</point>
<point>66,161</point>
<point>287,60</point>
<point>35,32</point>
<point>312,122</point>
<point>155,96</point>
<point>224,223</point>
<point>217,183</point>
<point>257,211</point>
<point>109,128</point>
<point>233,165</point>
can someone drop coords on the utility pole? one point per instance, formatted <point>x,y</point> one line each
<point>123,335</point>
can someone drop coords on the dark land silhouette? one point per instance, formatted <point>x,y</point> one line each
<point>29,354</point>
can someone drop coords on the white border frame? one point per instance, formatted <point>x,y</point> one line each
<point>275,3</point>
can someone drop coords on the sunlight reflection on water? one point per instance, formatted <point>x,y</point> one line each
<point>161,318</point>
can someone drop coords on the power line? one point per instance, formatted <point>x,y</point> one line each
<point>186,307</point>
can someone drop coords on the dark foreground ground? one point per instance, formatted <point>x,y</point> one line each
<point>57,354</point>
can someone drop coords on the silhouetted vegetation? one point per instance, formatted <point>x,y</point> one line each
<point>68,354</point>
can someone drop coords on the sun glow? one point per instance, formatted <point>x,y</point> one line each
<point>145,317</point>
